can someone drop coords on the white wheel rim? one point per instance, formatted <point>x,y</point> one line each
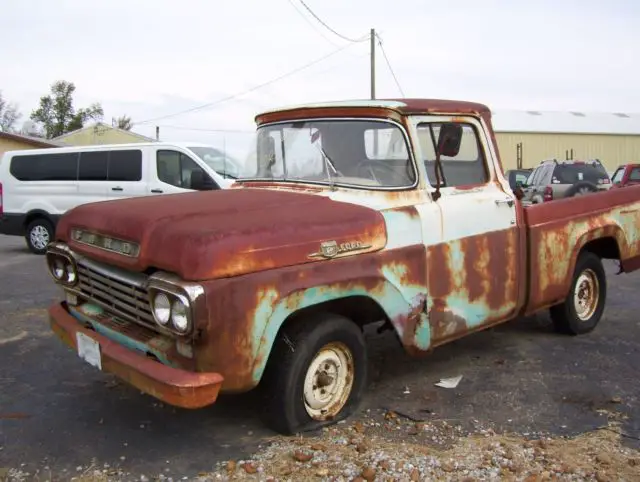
<point>39,237</point>
<point>328,381</point>
<point>586,295</point>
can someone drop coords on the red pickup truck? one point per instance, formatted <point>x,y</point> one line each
<point>349,213</point>
<point>627,175</point>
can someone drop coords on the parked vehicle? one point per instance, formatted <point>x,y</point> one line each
<point>627,175</point>
<point>37,186</point>
<point>517,177</point>
<point>554,179</point>
<point>350,213</point>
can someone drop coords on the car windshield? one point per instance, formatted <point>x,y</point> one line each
<point>617,177</point>
<point>217,160</point>
<point>336,152</point>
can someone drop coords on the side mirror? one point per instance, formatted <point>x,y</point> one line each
<point>200,181</point>
<point>449,139</point>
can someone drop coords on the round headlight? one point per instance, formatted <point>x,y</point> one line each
<point>58,268</point>
<point>71,273</point>
<point>162,308</point>
<point>180,315</point>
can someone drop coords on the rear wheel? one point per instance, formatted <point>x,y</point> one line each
<point>316,374</point>
<point>582,309</point>
<point>40,233</point>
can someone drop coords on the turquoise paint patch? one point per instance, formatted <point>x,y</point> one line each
<point>389,298</point>
<point>422,337</point>
<point>120,338</point>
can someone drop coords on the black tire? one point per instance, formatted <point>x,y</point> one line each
<point>581,188</point>
<point>46,231</point>
<point>294,350</point>
<point>565,315</point>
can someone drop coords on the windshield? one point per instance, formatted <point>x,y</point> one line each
<point>617,177</point>
<point>217,160</point>
<point>352,152</point>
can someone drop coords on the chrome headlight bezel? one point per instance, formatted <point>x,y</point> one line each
<point>188,295</point>
<point>55,258</point>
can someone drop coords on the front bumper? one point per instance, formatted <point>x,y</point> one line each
<point>173,386</point>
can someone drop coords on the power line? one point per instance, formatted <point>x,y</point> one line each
<point>229,131</point>
<point>259,86</point>
<point>311,24</point>
<point>326,26</point>
<point>384,54</point>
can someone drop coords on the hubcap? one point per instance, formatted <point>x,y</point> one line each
<point>328,381</point>
<point>586,295</point>
<point>39,237</point>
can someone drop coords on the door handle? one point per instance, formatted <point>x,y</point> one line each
<point>116,188</point>
<point>508,202</point>
<point>157,190</point>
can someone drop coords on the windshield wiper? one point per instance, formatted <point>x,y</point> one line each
<point>329,163</point>
<point>226,175</point>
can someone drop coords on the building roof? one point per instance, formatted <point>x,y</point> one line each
<point>33,141</point>
<point>106,126</point>
<point>611,123</point>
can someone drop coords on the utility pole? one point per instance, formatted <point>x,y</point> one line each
<point>157,133</point>
<point>373,63</point>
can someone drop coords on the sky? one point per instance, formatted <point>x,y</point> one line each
<point>153,59</point>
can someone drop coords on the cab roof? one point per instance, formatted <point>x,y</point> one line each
<point>402,106</point>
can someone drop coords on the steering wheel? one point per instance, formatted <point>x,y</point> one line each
<point>382,164</point>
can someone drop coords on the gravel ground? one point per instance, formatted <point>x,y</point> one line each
<point>386,447</point>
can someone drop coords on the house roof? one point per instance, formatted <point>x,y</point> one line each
<point>106,126</point>
<point>611,123</point>
<point>33,141</point>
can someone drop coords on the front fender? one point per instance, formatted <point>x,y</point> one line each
<point>400,303</point>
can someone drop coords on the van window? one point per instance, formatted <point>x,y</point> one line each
<point>125,165</point>
<point>45,167</point>
<point>175,168</point>
<point>93,166</point>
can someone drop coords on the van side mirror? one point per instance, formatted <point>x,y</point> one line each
<point>449,139</point>
<point>200,181</point>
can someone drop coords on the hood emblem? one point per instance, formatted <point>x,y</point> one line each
<point>113,245</point>
<point>331,249</point>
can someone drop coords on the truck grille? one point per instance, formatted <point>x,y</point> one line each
<point>122,294</point>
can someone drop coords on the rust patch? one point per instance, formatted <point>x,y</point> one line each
<point>240,308</point>
<point>473,282</point>
<point>208,235</point>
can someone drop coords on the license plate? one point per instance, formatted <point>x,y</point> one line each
<point>89,350</point>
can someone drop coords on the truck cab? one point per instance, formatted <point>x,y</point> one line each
<point>348,213</point>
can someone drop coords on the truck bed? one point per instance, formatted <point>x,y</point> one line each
<point>607,223</point>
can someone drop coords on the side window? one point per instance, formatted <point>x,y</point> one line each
<point>468,167</point>
<point>125,165</point>
<point>93,166</point>
<point>45,167</point>
<point>634,175</point>
<point>176,168</point>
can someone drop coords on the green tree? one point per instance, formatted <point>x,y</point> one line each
<point>9,115</point>
<point>123,122</point>
<point>58,115</point>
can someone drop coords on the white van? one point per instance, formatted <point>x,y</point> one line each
<point>37,186</point>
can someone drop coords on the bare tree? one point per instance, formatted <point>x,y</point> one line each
<point>122,122</point>
<point>9,115</point>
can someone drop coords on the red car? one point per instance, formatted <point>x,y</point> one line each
<point>627,175</point>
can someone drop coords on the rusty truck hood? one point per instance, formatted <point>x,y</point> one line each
<point>215,234</point>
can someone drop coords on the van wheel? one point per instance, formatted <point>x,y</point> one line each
<point>582,310</point>
<point>316,374</point>
<point>39,234</point>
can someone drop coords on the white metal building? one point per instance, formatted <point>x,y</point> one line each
<point>614,138</point>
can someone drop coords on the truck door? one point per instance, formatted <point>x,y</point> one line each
<point>471,234</point>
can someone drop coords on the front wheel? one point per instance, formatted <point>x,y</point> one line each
<point>582,309</point>
<point>316,374</point>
